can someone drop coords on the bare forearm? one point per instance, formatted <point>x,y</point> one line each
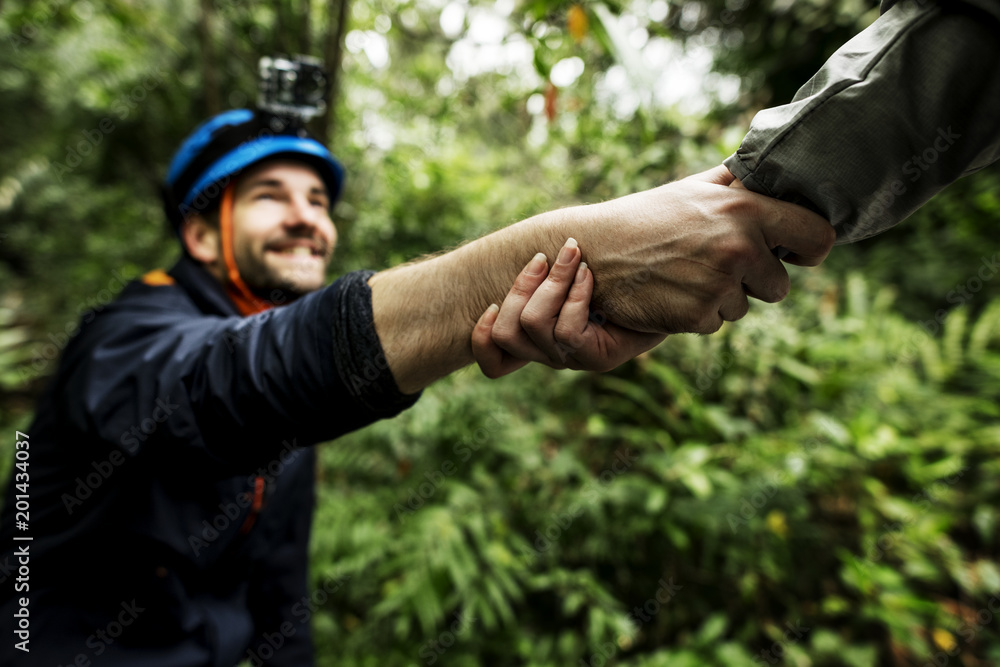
<point>425,311</point>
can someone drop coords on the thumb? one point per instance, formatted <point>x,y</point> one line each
<point>806,235</point>
<point>718,175</point>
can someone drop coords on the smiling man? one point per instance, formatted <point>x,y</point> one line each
<point>283,235</point>
<point>171,472</point>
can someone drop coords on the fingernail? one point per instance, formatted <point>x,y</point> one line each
<point>489,317</point>
<point>581,273</point>
<point>536,265</point>
<point>566,254</point>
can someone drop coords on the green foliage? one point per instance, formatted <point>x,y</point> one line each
<point>775,46</point>
<point>817,481</point>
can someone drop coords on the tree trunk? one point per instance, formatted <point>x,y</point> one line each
<point>281,40</point>
<point>305,29</point>
<point>210,73</point>
<point>333,54</point>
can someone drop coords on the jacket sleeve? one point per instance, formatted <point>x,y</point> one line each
<point>155,374</point>
<point>905,108</point>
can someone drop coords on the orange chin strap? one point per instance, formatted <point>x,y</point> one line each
<point>246,301</point>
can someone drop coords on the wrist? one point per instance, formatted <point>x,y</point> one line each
<point>490,265</point>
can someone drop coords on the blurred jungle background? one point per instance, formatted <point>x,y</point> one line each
<point>817,484</point>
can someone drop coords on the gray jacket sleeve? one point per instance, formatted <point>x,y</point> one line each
<point>908,106</point>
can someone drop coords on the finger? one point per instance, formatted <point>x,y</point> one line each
<point>806,235</point>
<point>542,310</point>
<point>507,331</point>
<point>719,175</point>
<point>623,344</point>
<point>735,307</point>
<point>492,360</point>
<point>799,260</point>
<point>765,279</point>
<point>574,317</point>
<point>486,353</point>
<point>600,347</point>
<point>708,324</point>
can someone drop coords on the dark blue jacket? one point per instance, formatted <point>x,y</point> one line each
<point>171,482</point>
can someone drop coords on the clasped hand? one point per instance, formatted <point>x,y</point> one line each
<point>546,318</point>
<point>706,248</point>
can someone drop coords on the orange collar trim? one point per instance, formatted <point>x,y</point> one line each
<point>157,277</point>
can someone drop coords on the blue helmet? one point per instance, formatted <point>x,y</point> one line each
<point>226,144</point>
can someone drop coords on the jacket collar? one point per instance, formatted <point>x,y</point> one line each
<point>209,295</point>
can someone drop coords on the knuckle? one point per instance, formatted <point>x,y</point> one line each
<point>532,313</point>
<point>531,322</point>
<point>522,289</point>
<point>563,333</point>
<point>504,337</point>
<point>733,249</point>
<point>738,205</point>
<point>557,277</point>
<point>577,296</point>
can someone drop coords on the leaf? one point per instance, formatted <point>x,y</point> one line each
<point>656,500</point>
<point>989,575</point>
<point>985,330</point>
<point>577,23</point>
<point>951,343</point>
<point>551,94</point>
<point>796,369</point>
<point>984,518</point>
<point>777,523</point>
<point>712,629</point>
<point>642,78</point>
<point>943,639</point>
<point>698,483</point>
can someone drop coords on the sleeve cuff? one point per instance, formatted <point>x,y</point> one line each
<point>358,353</point>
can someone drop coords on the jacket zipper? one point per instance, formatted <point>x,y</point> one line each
<point>258,501</point>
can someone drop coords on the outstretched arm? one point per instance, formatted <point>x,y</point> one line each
<point>680,257</point>
<point>903,109</point>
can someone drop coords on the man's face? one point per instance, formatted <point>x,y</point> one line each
<point>283,237</point>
